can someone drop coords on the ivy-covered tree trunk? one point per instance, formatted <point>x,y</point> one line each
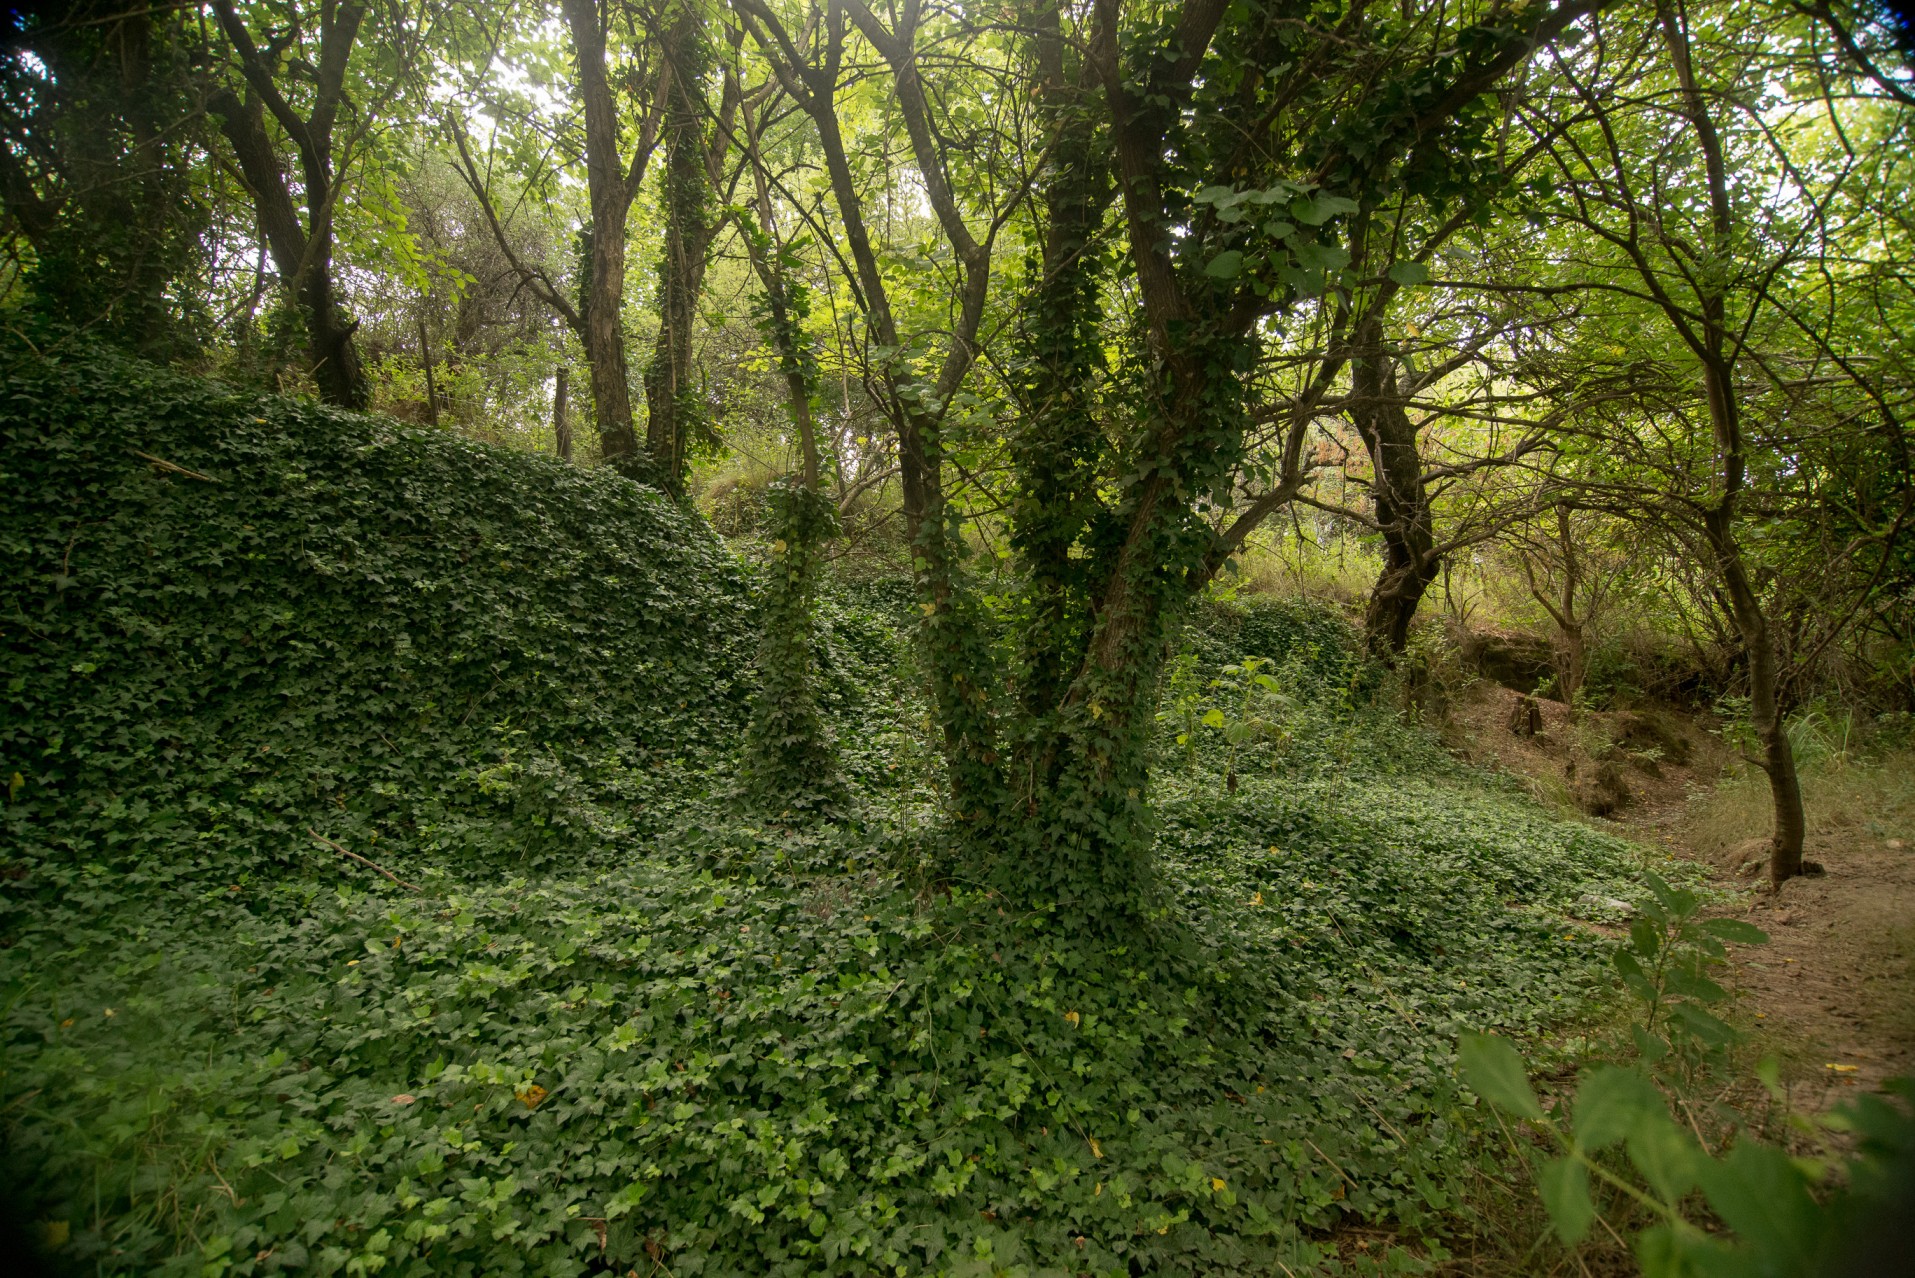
<point>790,767</point>
<point>301,251</point>
<point>671,393</point>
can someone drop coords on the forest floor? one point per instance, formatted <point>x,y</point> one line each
<point>1833,992</point>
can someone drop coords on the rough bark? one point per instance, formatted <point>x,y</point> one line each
<point>561,414</point>
<point>609,189</point>
<point>1410,561</point>
<point>1765,709</point>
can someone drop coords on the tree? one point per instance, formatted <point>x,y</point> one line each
<point>292,90</point>
<point>1213,231</point>
<point>100,160</point>
<point>1671,178</point>
<point>696,142</point>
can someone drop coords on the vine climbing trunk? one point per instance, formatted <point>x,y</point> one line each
<point>791,767</point>
<point>671,401</point>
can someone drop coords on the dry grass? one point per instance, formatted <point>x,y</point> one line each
<point>1850,801</point>
<point>1339,571</point>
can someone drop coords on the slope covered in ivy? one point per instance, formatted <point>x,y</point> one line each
<point>611,1021</point>
<point>244,613</point>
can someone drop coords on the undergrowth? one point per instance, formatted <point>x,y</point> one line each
<point>600,1019</point>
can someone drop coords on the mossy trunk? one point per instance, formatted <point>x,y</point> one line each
<point>791,770</point>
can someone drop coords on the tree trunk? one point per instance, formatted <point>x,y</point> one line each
<point>1717,351</point>
<point>1410,563</point>
<point>561,421</point>
<point>603,323</point>
<point>432,389</point>
<point>671,404</point>
<point>1765,710</point>
<point>301,253</point>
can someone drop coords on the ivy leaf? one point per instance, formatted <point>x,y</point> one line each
<point>1494,1071</point>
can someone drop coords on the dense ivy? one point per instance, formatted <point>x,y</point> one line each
<point>295,614</point>
<point>789,761</point>
<point>621,1024</point>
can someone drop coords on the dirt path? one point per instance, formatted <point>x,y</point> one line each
<point>1834,989</point>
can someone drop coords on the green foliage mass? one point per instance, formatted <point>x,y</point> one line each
<point>244,648</point>
<point>621,1023</point>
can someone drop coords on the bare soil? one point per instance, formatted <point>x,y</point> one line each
<point>1834,989</point>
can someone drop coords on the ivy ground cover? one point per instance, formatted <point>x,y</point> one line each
<point>586,1017</point>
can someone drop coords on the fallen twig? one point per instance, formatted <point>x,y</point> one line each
<point>174,468</point>
<point>362,860</point>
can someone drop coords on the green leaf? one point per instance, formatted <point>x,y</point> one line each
<point>1409,273</point>
<point>1667,1156</point>
<point>1696,986</point>
<point>1645,937</point>
<point>1318,209</point>
<point>1227,265</point>
<point>1564,1183</point>
<point>1632,974</point>
<point>1494,1071</point>
<point>1759,1192</point>
<point>1735,931</point>
<point>1683,1251</point>
<point>1610,1104</point>
<point>1710,1029</point>
<point>1678,901</point>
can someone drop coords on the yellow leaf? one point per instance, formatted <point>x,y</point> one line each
<point>14,785</point>
<point>1072,1017</point>
<point>927,608</point>
<point>1256,898</point>
<point>1096,1150</point>
<point>778,547</point>
<point>531,1096</point>
<point>1842,1069</point>
<point>1096,711</point>
<point>1098,1192</point>
<point>1216,1183</point>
